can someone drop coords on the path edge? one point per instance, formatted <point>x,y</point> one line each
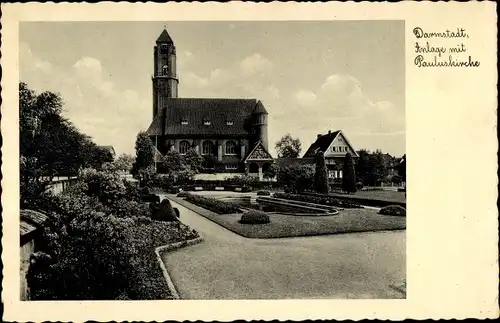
<point>168,248</point>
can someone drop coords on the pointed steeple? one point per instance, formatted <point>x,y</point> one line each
<point>164,37</point>
<point>259,108</point>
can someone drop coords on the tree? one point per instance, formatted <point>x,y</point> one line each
<point>173,161</point>
<point>124,162</point>
<point>271,171</point>
<point>193,160</point>
<point>349,178</point>
<point>320,175</point>
<point>372,168</point>
<point>288,147</point>
<point>296,177</point>
<point>402,169</point>
<point>144,154</point>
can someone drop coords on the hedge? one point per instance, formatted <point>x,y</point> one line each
<point>323,200</point>
<point>217,206</point>
<point>393,210</point>
<point>254,217</point>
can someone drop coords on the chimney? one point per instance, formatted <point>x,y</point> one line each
<point>329,132</point>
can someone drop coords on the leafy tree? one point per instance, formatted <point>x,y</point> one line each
<point>173,161</point>
<point>320,175</point>
<point>193,160</point>
<point>349,178</point>
<point>296,177</point>
<point>124,162</point>
<point>372,168</point>
<point>288,147</point>
<point>271,172</point>
<point>144,154</point>
<point>402,169</point>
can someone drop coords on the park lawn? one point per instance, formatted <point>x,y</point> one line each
<point>281,226</point>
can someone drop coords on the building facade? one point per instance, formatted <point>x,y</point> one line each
<point>231,134</point>
<point>335,146</point>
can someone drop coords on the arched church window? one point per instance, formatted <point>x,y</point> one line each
<point>184,147</point>
<point>207,148</point>
<point>230,147</point>
<point>165,69</point>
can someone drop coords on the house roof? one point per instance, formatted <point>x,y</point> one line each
<point>322,143</point>
<point>34,217</point>
<point>205,117</point>
<point>164,37</point>
<point>108,148</point>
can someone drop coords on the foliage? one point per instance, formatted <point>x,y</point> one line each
<point>264,192</point>
<point>254,217</point>
<point>193,160</point>
<point>163,211</point>
<point>173,161</point>
<point>349,178</point>
<point>401,168</point>
<point>359,186</point>
<point>96,248</point>
<point>146,176</point>
<point>210,162</point>
<point>320,174</point>
<point>373,168</point>
<point>323,200</point>
<point>124,162</point>
<point>244,181</point>
<point>182,194</point>
<point>144,153</point>
<point>217,206</point>
<point>288,147</point>
<point>297,178</point>
<point>271,172</point>
<point>393,210</point>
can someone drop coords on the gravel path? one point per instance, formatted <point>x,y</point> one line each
<point>229,266</point>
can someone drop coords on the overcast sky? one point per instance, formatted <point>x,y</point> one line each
<point>311,76</point>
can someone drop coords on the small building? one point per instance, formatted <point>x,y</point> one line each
<point>335,146</point>
<point>31,228</point>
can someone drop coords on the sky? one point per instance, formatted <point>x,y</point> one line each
<point>311,76</point>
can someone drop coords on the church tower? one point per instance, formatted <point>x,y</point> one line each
<point>165,81</point>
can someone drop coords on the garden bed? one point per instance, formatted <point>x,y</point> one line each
<point>347,221</point>
<point>368,198</point>
<point>214,205</point>
<point>318,199</point>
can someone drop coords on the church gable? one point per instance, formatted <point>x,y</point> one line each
<point>258,153</point>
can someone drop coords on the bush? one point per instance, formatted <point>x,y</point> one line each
<point>297,178</point>
<point>217,206</point>
<point>254,217</point>
<point>349,178</point>
<point>393,210</point>
<point>182,194</point>
<point>163,211</point>
<point>323,200</point>
<point>320,174</point>
<point>359,186</point>
<point>263,192</point>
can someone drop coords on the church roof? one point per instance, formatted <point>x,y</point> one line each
<point>186,116</point>
<point>322,143</point>
<point>259,108</point>
<point>164,37</point>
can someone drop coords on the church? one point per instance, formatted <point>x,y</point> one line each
<point>231,134</point>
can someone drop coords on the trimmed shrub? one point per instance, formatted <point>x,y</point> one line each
<point>217,206</point>
<point>182,194</point>
<point>395,210</point>
<point>320,175</point>
<point>323,200</point>
<point>349,179</point>
<point>254,217</point>
<point>264,192</point>
<point>163,211</point>
<point>359,186</point>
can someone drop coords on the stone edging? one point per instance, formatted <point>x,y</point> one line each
<point>171,247</point>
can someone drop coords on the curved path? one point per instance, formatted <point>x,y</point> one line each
<point>229,266</point>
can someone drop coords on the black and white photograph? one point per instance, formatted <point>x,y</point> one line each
<point>212,160</point>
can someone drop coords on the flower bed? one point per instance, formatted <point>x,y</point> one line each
<point>324,200</point>
<point>217,206</point>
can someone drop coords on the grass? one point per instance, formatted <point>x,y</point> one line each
<point>348,220</point>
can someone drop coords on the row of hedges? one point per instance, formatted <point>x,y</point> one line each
<point>254,217</point>
<point>323,200</point>
<point>217,206</point>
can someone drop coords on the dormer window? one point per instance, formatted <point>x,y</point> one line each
<point>229,123</point>
<point>184,122</point>
<point>206,122</point>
